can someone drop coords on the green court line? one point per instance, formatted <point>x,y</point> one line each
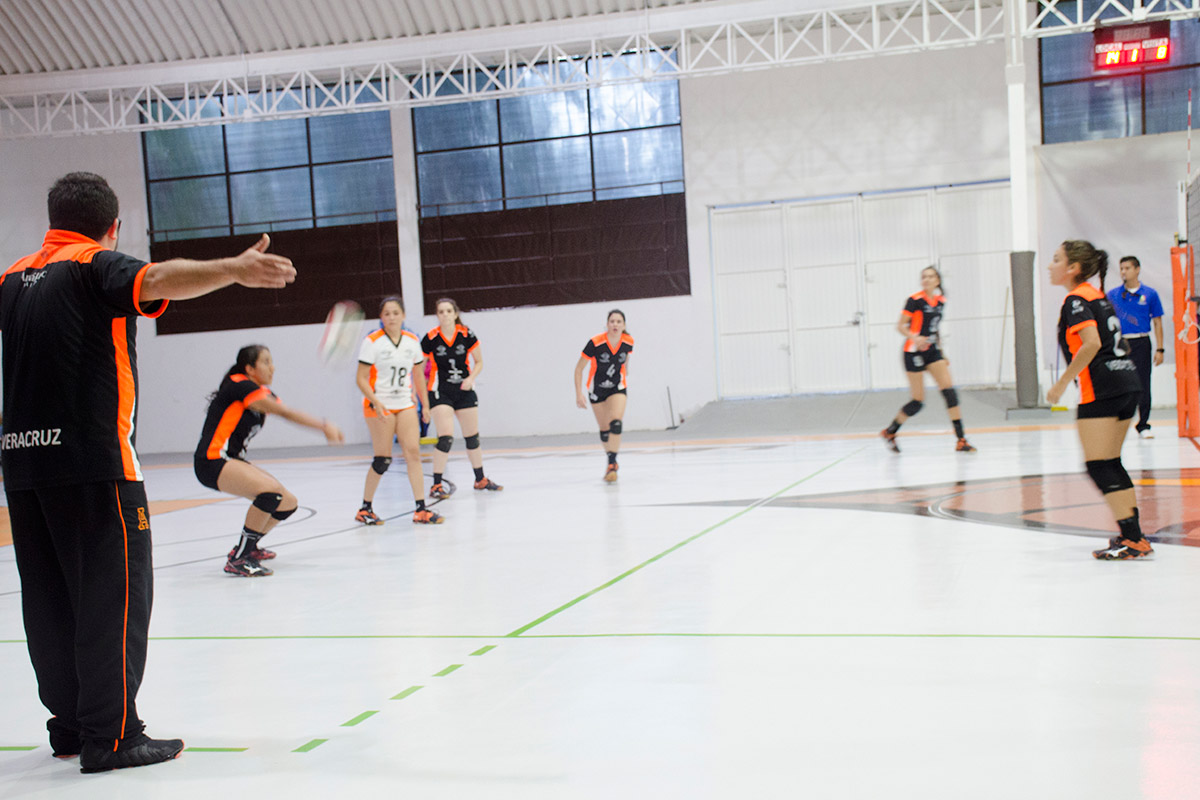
<point>1049,636</point>
<point>350,723</point>
<point>447,671</point>
<point>407,692</point>
<point>484,649</point>
<point>216,749</point>
<point>16,747</point>
<point>315,743</point>
<point>685,542</point>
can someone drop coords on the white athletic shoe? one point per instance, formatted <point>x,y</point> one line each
<point>1146,434</point>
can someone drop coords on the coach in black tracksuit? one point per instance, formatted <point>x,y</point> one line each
<point>80,524</point>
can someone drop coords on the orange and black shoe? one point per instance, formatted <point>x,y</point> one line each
<point>427,517</point>
<point>439,491</point>
<point>488,485</point>
<point>258,554</point>
<point>1122,549</point>
<point>610,474</point>
<point>890,440</point>
<point>246,567</point>
<point>368,516</point>
<point>964,446</point>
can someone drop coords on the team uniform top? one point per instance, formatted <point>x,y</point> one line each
<point>69,318</point>
<point>1111,372</point>
<point>450,358</point>
<point>607,372</point>
<point>391,368</point>
<point>231,422</point>
<point>1135,308</point>
<point>924,313</point>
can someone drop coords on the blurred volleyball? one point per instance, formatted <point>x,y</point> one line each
<point>343,327</point>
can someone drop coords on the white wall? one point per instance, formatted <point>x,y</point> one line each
<point>1121,195</point>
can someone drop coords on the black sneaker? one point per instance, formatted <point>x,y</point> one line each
<point>132,751</point>
<point>247,567</point>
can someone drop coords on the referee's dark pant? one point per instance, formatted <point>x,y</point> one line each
<point>87,581</point>
<point>1143,358</point>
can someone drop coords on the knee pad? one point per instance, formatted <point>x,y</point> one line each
<point>380,464</point>
<point>911,408</point>
<point>268,501</point>
<point>472,442</point>
<point>951,397</point>
<point>1109,475</point>
<point>444,443</point>
<point>614,427</point>
<point>604,436</point>
<point>282,515</point>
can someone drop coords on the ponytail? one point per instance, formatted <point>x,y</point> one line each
<point>247,356</point>
<point>1091,261</point>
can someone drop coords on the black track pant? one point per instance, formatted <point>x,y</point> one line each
<point>83,553</point>
<point>1143,358</point>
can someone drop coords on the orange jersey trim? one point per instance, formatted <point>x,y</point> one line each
<point>231,418</point>
<point>126,401</point>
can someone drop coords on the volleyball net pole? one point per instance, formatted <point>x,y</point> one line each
<point>1184,305</point>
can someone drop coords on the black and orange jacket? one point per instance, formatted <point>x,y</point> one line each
<point>1111,372</point>
<point>69,319</point>
<point>231,423</point>
<point>450,365</point>
<point>606,372</point>
<point>924,314</point>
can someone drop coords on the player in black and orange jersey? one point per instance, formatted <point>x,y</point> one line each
<point>1089,334</point>
<point>236,412</point>
<point>390,362</point>
<point>608,355</point>
<point>77,504</point>
<point>920,323</point>
<point>456,361</point>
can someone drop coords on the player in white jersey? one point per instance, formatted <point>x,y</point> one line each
<point>389,365</point>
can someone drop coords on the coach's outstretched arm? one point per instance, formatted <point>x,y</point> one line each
<point>181,278</point>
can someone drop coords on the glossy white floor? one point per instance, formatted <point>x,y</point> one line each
<point>696,630</point>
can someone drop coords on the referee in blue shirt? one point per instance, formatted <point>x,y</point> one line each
<point>1139,309</point>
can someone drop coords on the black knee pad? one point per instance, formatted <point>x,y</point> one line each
<point>472,442</point>
<point>604,436</point>
<point>1109,475</point>
<point>951,397</point>
<point>911,408</point>
<point>614,427</point>
<point>444,443</point>
<point>282,515</point>
<point>268,501</point>
<point>380,464</point>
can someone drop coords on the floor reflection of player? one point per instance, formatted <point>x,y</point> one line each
<point>608,354</point>
<point>1089,334</point>
<point>920,323</point>
<point>457,361</point>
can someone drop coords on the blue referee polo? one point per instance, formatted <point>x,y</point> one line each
<point>1135,308</point>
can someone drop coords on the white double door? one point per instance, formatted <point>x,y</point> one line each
<point>808,294</point>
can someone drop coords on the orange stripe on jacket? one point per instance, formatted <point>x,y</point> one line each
<point>124,624</point>
<point>126,401</point>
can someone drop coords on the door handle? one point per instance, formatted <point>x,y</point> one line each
<point>858,318</point>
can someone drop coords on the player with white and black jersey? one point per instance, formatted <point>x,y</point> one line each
<point>237,411</point>
<point>1089,334</point>
<point>389,365</point>
<point>457,361</point>
<point>920,323</point>
<point>608,355</point>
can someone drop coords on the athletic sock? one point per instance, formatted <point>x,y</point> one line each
<point>421,504</point>
<point>958,429</point>
<point>437,478</point>
<point>478,473</point>
<point>891,429</point>
<point>366,506</point>
<point>1131,528</point>
<point>248,542</point>
<point>612,458</point>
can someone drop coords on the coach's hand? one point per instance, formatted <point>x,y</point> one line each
<point>257,269</point>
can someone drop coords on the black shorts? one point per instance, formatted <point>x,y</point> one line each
<point>455,398</point>
<point>603,394</point>
<point>1123,407</point>
<point>208,470</point>
<point>917,362</point>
